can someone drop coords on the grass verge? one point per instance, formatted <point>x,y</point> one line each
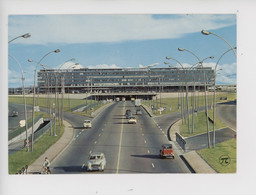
<point>22,157</point>
<point>200,125</point>
<point>216,157</point>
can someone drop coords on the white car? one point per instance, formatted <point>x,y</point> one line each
<point>132,120</point>
<point>96,162</point>
<point>87,124</point>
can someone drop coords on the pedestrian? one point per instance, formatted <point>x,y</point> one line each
<point>46,165</point>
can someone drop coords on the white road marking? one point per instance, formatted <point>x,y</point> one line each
<point>120,144</point>
<point>148,151</point>
<point>145,141</point>
<point>95,142</point>
<point>77,135</point>
<point>99,134</point>
<point>153,165</point>
<point>80,133</point>
<point>90,152</point>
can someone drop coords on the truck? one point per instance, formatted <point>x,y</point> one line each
<point>166,151</point>
<point>137,102</point>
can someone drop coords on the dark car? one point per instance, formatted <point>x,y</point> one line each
<point>128,113</point>
<point>15,113</point>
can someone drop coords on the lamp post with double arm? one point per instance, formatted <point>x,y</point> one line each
<point>24,100</point>
<point>34,92</point>
<point>214,104</point>
<point>205,92</point>
<point>27,35</point>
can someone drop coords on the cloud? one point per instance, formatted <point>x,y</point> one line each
<point>46,29</point>
<point>104,66</point>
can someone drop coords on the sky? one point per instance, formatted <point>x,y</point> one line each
<point>121,41</point>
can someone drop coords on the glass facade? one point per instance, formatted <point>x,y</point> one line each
<point>126,79</point>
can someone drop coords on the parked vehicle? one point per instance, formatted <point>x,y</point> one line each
<point>132,120</point>
<point>138,112</point>
<point>97,161</point>
<point>117,99</point>
<point>87,124</point>
<point>167,151</point>
<point>137,102</point>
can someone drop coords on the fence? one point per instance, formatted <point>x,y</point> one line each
<point>41,131</point>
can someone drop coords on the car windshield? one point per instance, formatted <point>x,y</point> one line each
<point>87,121</point>
<point>95,157</point>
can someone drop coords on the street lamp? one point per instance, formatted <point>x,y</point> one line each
<point>204,32</point>
<point>186,83</point>
<point>27,35</point>
<point>214,104</point>
<point>206,102</point>
<point>34,91</point>
<point>56,94</point>
<point>24,100</point>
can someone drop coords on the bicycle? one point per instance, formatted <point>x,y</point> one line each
<point>46,170</point>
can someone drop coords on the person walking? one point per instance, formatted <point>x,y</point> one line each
<point>46,165</point>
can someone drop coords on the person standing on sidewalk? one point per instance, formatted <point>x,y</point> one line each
<point>46,165</point>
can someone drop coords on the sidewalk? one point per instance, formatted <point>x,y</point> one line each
<point>54,150</point>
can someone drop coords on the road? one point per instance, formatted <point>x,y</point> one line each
<point>129,148</point>
<point>13,122</point>
<point>227,113</point>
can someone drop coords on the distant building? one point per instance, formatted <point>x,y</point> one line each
<point>123,79</point>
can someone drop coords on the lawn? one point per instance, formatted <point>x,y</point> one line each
<point>22,157</point>
<point>200,125</point>
<point>174,103</point>
<point>68,104</point>
<point>222,158</point>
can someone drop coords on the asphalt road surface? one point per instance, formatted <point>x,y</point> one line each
<point>129,148</point>
<point>13,122</point>
<point>227,113</point>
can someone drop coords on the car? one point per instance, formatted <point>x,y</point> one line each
<point>132,120</point>
<point>96,162</point>
<point>87,124</point>
<point>15,113</point>
<point>128,113</point>
<point>138,112</point>
<point>167,151</point>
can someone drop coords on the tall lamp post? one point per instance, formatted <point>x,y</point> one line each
<point>24,100</point>
<point>34,91</point>
<point>186,83</point>
<point>214,104</point>
<point>204,32</point>
<point>206,102</point>
<point>27,35</point>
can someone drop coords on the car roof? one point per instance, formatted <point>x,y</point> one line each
<point>96,154</point>
<point>167,145</point>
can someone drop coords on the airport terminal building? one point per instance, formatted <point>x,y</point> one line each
<point>122,80</point>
